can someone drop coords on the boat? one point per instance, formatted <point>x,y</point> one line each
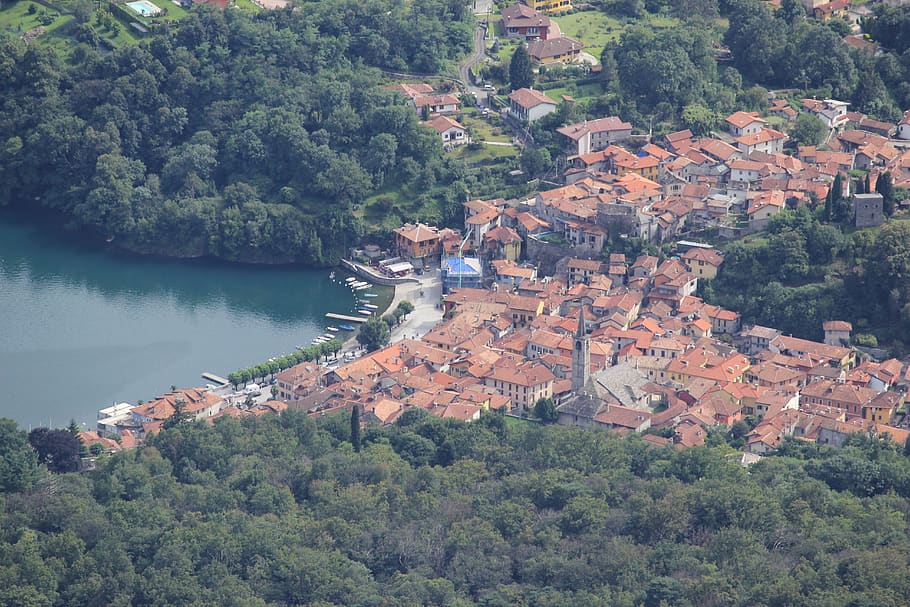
<point>346,327</point>
<point>327,336</point>
<point>331,275</point>
<point>369,307</point>
<point>358,284</point>
<point>361,288</point>
<point>332,329</point>
<point>350,279</point>
<point>369,294</point>
<point>366,312</point>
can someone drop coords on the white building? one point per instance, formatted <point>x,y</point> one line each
<point>528,105</point>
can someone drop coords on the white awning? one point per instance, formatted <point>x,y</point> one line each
<point>397,268</point>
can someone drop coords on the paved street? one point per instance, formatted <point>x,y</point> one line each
<point>425,297</point>
<point>464,69</point>
<point>483,7</point>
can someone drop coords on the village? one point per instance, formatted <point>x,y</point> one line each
<point>536,323</point>
<point>542,321</point>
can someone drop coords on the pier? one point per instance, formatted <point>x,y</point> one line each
<point>343,317</point>
<point>215,379</point>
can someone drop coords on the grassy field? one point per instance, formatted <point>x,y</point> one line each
<point>488,130</point>
<point>485,153</point>
<point>14,19</point>
<point>578,92</point>
<point>594,29</point>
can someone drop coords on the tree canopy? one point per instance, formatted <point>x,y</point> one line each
<point>245,136</point>
<point>280,510</point>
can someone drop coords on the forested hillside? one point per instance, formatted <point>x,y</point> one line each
<point>243,136</point>
<point>282,511</point>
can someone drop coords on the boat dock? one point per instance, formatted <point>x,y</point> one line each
<point>344,317</point>
<point>215,379</point>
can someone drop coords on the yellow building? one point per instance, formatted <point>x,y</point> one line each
<point>550,6</point>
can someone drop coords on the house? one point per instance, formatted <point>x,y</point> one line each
<point>582,270</point>
<point>297,381</point>
<point>524,384</point>
<point>502,243</point>
<point>759,338</point>
<point>411,90</point>
<point>882,408</point>
<point>849,398</point>
<point>744,171</point>
<point>868,209</point>
<point>506,272</point>
<point>832,112</point>
<point>450,131</point>
<point>764,206</point>
<point>522,21</point>
<point>199,404</point>
<point>436,104</point>
<point>829,10</point>
<point>782,109</point>
<point>767,141</point>
<point>903,127</point>
<point>554,50</point>
<point>704,263</point>
<point>837,332</point>
<point>744,123</point>
<point>419,242</point>
<point>550,6</point>
<point>834,356</point>
<point>480,217</point>
<point>528,105</point>
<point>595,135</point>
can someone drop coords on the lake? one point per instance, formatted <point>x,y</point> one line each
<point>82,327</point>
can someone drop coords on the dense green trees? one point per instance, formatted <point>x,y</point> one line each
<point>245,136</point>
<point>18,464</point>
<point>373,334</point>
<point>521,72</point>
<point>282,511</point>
<point>808,129</point>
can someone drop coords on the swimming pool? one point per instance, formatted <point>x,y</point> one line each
<point>144,8</point>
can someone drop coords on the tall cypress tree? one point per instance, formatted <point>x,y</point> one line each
<point>884,187</point>
<point>521,73</point>
<point>355,428</point>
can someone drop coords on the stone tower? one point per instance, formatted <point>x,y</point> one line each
<point>581,355</point>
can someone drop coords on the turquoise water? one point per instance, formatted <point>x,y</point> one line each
<point>144,8</point>
<point>82,327</point>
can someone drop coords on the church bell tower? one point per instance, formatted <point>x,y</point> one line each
<point>581,355</point>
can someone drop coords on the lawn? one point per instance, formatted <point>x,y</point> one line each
<point>578,92</point>
<point>485,153</point>
<point>175,12</point>
<point>247,5</point>
<point>486,130</point>
<point>517,422</point>
<point>14,18</point>
<point>594,29</point>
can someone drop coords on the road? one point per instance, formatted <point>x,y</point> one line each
<point>464,70</point>
<point>483,7</point>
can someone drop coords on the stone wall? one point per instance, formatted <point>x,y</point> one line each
<point>375,277</point>
<point>546,255</point>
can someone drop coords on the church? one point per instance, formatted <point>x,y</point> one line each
<point>613,398</point>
